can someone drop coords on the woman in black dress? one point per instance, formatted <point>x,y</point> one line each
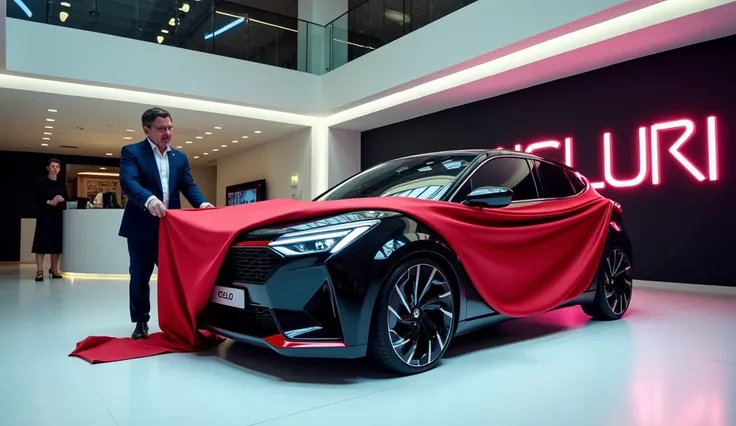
<point>50,197</point>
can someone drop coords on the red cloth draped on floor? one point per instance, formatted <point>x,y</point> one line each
<point>524,260</point>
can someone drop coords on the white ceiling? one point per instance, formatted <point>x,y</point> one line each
<point>98,127</point>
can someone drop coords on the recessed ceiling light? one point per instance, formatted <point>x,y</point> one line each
<point>165,31</point>
<point>218,128</point>
<point>47,139</point>
<point>46,133</point>
<point>127,137</point>
<point>207,133</point>
<point>179,146</point>
<point>196,156</point>
<point>215,150</point>
<point>108,153</point>
<point>235,141</point>
<point>189,142</point>
<point>44,144</point>
<point>49,127</point>
<point>129,130</point>
<point>257,131</point>
<point>205,153</point>
<point>52,110</point>
<point>223,146</point>
<point>245,137</point>
<point>103,168</point>
<point>50,119</point>
<point>198,137</point>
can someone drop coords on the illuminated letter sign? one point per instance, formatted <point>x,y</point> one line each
<point>649,152</point>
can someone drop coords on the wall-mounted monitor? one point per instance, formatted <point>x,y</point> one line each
<point>244,193</point>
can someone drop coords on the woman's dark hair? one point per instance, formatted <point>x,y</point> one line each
<point>53,160</point>
<point>152,114</point>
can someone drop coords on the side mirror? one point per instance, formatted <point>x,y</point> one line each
<point>489,196</point>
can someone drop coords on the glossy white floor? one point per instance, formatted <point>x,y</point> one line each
<point>670,362</point>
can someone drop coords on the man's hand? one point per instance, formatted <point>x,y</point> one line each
<point>206,206</point>
<point>52,202</point>
<point>59,199</point>
<point>157,208</point>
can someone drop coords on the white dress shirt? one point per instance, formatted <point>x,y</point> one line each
<point>162,163</point>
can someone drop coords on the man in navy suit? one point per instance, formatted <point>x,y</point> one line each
<point>152,174</point>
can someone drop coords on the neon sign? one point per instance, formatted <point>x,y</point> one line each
<point>649,153</point>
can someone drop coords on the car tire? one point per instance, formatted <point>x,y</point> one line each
<point>614,285</point>
<point>407,337</point>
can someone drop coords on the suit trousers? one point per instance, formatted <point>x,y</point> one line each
<point>143,256</point>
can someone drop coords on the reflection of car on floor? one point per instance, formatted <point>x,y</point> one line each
<point>321,289</point>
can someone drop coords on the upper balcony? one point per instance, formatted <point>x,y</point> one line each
<point>230,29</point>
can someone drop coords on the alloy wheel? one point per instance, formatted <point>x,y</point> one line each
<point>420,315</point>
<point>617,281</point>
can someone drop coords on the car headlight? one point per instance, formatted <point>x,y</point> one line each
<point>325,239</point>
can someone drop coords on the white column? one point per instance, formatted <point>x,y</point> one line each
<point>343,156</point>
<point>320,159</point>
<point>318,52</point>
<point>335,157</point>
<point>3,19</point>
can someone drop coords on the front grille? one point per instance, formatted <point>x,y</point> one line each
<point>251,264</point>
<point>254,321</point>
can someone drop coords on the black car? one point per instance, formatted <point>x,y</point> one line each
<point>298,291</point>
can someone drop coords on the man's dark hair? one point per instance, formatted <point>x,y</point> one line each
<point>53,160</point>
<point>152,114</point>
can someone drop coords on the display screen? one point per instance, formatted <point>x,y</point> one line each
<point>245,193</point>
<point>244,196</point>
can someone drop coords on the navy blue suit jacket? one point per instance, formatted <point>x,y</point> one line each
<point>139,179</point>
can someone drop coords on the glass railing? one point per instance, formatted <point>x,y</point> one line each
<point>375,23</point>
<point>225,28</point>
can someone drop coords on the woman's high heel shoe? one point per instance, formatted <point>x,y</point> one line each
<point>54,275</point>
<point>39,275</point>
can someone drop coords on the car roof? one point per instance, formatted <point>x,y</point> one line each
<point>490,153</point>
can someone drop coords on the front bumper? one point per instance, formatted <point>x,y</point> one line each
<point>284,304</point>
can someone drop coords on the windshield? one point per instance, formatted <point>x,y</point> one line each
<point>426,177</point>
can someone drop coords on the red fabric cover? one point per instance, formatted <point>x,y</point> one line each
<point>523,260</point>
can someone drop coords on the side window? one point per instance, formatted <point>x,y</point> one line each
<point>554,180</point>
<point>577,185</point>
<point>508,172</point>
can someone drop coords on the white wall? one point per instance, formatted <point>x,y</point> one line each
<point>206,178</point>
<point>473,31</point>
<point>343,155</point>
<point>276,161</point>
<point>321,11</point>
<point>62,53</point>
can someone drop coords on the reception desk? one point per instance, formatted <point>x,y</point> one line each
<point>91,244</point>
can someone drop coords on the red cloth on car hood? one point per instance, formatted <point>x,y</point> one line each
<point>523,260</point>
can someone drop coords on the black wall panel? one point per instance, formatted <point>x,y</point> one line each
<point>683,229</point>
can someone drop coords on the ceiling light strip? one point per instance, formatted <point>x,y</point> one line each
<point>23,7</point>
<point>225,28</point>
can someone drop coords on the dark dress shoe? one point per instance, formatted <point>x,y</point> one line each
<point>141,331</point>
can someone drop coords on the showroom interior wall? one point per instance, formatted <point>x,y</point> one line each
<point>682,227</point>
<point>276,161</point>
<point>206,179</point>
